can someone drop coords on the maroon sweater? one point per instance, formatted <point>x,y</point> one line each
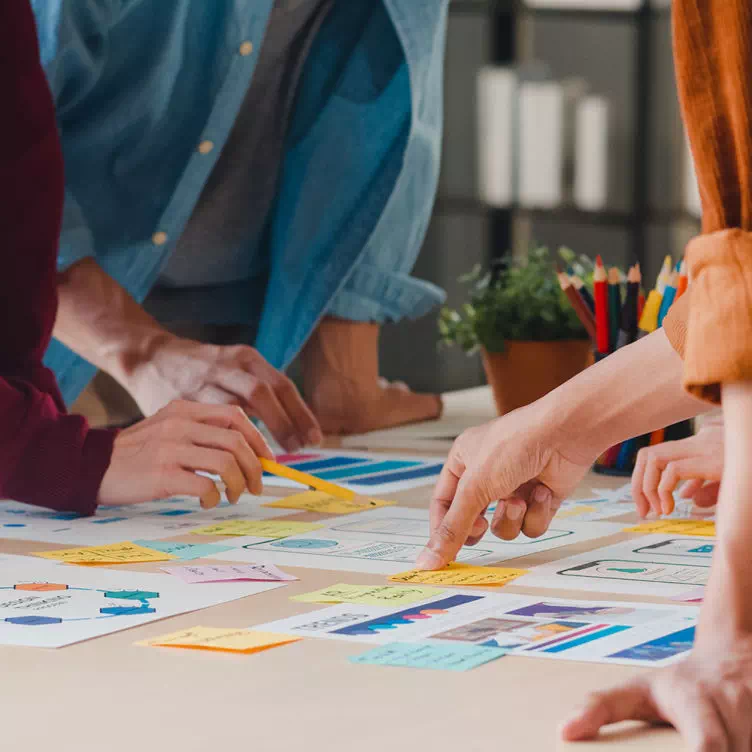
<point>47,458</point>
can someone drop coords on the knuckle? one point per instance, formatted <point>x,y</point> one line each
<point>446,534</point>
<point>284,386</point>
<point>260,392</point>
<point>237,441</point>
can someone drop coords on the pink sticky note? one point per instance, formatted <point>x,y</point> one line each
<point>692,596</point>
<point>229,573</point>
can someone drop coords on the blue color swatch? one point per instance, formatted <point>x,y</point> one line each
<point>426,471</point>
<point>369,469</point>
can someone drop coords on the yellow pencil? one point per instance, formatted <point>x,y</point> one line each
<point>308,480</point>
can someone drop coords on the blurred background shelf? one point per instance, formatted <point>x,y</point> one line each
<point>625,56</point>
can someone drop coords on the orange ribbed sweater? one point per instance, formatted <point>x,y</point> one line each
<point>712,325</point>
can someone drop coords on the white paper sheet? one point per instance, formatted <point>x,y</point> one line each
<point>603,632</point>
<point>656,565</point>
<point>150,521</point>
<point>388,541</point>
<point>50,605</point>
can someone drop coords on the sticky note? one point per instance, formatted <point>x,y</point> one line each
<point>456,657</point>
<point>575,511</point>
<point>461,575</point>
<point>185,551</point>
<point>194,574</point>
<point>368,595</point>
<point>115,553</point>
<point>259,528</point>
<point>324,503</point>
<point>227,640</point>
<point>704,528</point>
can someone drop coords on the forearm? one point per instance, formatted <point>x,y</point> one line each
<point>728,605</point>
<point>634,391</point>
<point>99,320</point>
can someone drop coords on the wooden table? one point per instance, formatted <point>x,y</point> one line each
<point>109,694</point>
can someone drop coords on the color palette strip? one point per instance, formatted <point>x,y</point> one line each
<point>371,472</point>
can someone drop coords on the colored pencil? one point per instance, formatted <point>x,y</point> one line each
<point>581,288</point>
<point>600,294</point>
<point>580,308</point>
<point>683,281</point>
<point>669,295</point>
<point>667,268</point>
<point>614,305</point>
<point>307,480</point>
<point>629,318</point>
<point>657,437</point>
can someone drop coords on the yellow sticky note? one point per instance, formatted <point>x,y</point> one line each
<point>704,528</point>
<point>368,595</point>
<point>324,503</point>
<point>115,553</point>
<point>259,528</point>
<point>461,575</point>
<point>226,640</point>
<point>576,511</point>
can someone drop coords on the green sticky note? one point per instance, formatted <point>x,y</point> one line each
<point>420,655</point>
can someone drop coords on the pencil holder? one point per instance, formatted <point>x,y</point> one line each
<point>619,460</point>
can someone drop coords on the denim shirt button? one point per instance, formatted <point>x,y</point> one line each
<point>246,48</point>
<point>205,147</point>
<point>159,238</point>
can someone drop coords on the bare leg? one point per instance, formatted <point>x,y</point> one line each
<point>341,381</point>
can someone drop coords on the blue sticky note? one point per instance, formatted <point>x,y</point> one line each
<point>420,655</point>
<point>185,551</point>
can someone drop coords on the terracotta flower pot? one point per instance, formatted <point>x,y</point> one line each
<point>528,370</point>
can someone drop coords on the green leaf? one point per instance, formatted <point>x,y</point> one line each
<point>524,303</point>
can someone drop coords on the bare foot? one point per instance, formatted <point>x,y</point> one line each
<point>342,384</point>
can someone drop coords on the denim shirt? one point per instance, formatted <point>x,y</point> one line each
<point>141,84</point>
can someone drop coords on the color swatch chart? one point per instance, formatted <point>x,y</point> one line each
<point>363,472</point>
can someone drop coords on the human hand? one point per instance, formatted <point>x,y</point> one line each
<point>159,456</point>
<point>659,469</point>
<point>181,369</point>
<point>707,698</point>
<point>522,460</point>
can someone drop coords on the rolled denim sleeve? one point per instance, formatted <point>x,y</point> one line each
<point>374,293</point>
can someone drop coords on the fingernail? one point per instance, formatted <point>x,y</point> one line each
<point>514,511</point>
<point>541,494</point>
<point>315,437</point>
<point>429,560</point>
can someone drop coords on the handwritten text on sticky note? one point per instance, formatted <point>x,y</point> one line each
<point>461,575</point>
<point>324,503</point>
<point>259,528</point>
<point>227,640</point>
<point>368,595</point>
<point>116,553</point>
<point>419,655</point>
<point>703,528</point>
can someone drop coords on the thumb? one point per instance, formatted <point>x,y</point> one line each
<point>628,703</point>
<point>471,497</point>
<point>707,496</point>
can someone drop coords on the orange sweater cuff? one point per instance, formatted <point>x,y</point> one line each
<point>718,346</point>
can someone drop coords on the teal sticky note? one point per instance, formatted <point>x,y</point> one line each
<point>185,551</point>
<point>420,655</point>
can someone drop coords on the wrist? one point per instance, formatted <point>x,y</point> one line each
<point>125,357</point>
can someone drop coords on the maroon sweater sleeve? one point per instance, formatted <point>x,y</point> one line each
<point>46,457</point>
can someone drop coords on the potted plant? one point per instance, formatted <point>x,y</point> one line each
<point>528,334</point>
